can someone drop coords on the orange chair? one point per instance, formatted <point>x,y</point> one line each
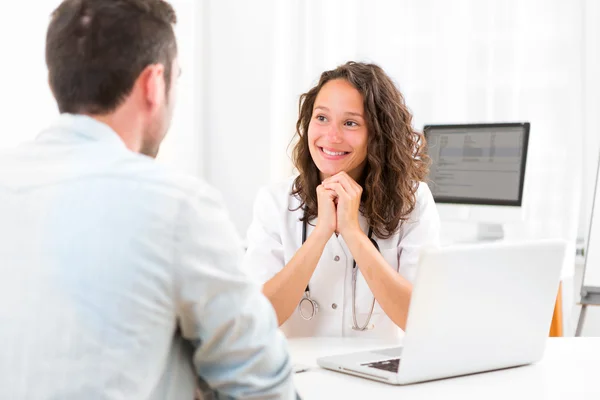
<point>556,327</point>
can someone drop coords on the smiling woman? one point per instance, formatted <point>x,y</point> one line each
<point>361,167</point>
<point>358,110</point>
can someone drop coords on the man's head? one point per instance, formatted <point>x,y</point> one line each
<point>116,60</point>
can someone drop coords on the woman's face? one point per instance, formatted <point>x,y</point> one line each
<point>337,133</point>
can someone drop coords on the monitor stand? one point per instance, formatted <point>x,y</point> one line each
<point>489,232</point>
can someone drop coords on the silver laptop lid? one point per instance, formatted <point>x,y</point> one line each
<point>480,307</point>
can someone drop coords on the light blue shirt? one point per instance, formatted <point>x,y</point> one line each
<point>119,279</point>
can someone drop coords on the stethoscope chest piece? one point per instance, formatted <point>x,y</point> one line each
<point>307,307</point>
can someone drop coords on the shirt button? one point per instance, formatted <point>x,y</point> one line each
<point>334,306</point>
<point>336,258</point>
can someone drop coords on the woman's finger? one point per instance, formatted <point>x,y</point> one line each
<point>349,184</point>
<point>338,189</point>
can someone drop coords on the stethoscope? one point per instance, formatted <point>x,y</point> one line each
<point>314,306</point>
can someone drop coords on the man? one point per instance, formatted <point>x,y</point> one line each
<point>110,265</point>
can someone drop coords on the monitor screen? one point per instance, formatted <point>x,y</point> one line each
<point>477,164</point>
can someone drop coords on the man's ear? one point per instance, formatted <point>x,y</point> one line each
<point>153,84</point>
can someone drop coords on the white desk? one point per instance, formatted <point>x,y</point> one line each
<point>570,369</point>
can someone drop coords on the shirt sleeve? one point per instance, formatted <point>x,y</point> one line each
<point>421,230</point>
<point>265,256</point>
<point>239,350</point>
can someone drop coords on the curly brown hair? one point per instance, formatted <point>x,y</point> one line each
<point>396,158</point>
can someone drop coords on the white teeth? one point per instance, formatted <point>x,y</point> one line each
<point>334,153</point>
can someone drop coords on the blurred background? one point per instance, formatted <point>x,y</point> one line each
<point>245,64</point>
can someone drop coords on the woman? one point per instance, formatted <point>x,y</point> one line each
<point>336,247</point>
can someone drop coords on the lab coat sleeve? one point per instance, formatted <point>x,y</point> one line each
<point>265,256</point>
<point>238,349</point>
<point>421,230</point>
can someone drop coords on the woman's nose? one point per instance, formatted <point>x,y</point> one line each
<point>334,135</point>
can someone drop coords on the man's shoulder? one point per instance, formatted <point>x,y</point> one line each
<point>155,176</point>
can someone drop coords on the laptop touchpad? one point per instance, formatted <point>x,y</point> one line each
<point>392,352</point>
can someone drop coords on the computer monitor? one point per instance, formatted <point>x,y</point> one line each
<point>478,172</point>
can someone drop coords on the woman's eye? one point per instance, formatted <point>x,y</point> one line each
<point>321,118</point>
<point>351,123</point>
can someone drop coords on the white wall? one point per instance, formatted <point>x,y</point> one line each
<point>237,53</point>
<point>591,121</point>
<point>183,143</point>
<point>27,103</point>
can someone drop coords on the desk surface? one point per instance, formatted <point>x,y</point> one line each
<point>570,369</point>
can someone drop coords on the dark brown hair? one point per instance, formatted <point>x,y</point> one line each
<point>95,50</point>
<point>396,159</point>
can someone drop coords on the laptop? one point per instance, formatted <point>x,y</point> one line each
<point>474,308</point>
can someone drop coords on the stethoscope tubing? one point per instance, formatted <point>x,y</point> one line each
<point>315,306</point>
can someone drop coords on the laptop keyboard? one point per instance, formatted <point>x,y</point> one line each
<point>387,365</point>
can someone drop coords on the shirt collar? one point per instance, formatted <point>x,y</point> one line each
<point>77,127</point>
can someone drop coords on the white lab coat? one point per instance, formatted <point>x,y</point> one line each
<point>276,234</point>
